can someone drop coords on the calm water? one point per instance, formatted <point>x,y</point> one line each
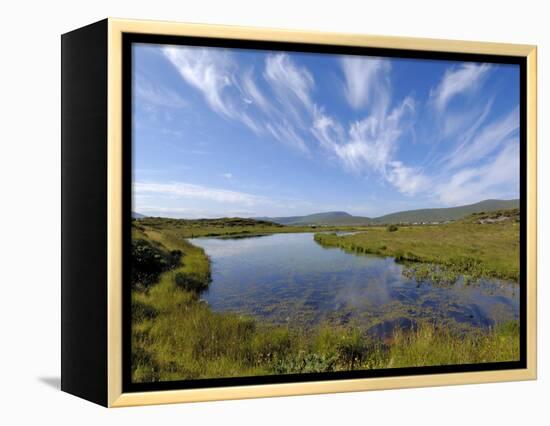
<point>290,279</point>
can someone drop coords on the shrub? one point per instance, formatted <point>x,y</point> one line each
<point>392,228</point>
<point>149,261</point>
<point>190,282</point>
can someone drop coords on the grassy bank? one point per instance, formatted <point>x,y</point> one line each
<point>482,245</point>
<point>193,228</point>
<point>175,336</point>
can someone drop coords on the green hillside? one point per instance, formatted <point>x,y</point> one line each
<point>408,216</point>
<point>328,218</point>
<point>445,214</point>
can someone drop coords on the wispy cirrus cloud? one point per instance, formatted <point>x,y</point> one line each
<point>485,141</point>
<point>157,95</point>
<point>496,178</point>
<point>235,94</point>
<point>370,145</point>
<point>253,94</point>
<point>408,180</point>
<point>192,200</point>
<point>456,81</point>
<point>286,133</point>
<point>289,81</point>
<point>327,130</point>
<point>279,100</point>
<point>185,190</point>
<point>212,72</point>
<point>373,141</point>
<point>207,70</point>
<point>291,86</point>
<point>366,80</point>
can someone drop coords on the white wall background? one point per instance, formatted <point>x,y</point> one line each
<point>30,211</point>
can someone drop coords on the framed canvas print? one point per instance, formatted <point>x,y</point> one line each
<point>251,212</point>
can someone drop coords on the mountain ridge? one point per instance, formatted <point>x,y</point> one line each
<point>441,214</point>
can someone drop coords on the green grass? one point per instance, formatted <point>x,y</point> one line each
<point>175,336</point>
<point>176,229</point>
<point>467,247</point>
<point>430,345</point>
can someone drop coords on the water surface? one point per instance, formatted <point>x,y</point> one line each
<point>290,279</point>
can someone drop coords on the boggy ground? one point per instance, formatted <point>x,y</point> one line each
<point>176,336</point>
<point>484,245</point>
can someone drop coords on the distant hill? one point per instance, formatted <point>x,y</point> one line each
<point>408,216</point>
<point>328,218</point>
<point>445,214</point>
<point>138,215</point>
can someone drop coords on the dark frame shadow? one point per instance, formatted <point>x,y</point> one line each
<point>51,381</point>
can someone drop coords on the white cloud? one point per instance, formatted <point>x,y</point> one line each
<point>285,132</point>
<point>182,199</point>
<point>289,81</point>
<point>365,79</point>
<point>253,94</point>
<point>289,110</point>
<point>464,124</point>
<point>283,107</point>
<point>372,142</point>
<point>326,129</point>
<point>156,95</point>
<point>498,178</point>
<point>371,145</point>
<point>212,72</point>
<point>456,81</point>
<point>485,141</point>
<point>236,95</point>
<point>198,192</point>
<point>380,135</point>
<point>205,69</point>
<point>408,180</point>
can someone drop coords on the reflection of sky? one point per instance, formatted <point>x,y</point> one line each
<point>290,278</point>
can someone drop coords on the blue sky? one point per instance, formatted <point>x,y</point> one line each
<point>230,132</point>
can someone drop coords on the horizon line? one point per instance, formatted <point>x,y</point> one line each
<point>320,212</point>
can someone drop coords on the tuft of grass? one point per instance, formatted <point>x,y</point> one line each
<point>432,345</point>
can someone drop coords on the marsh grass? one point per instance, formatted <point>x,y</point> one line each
<point>163,228</point>
<point>177,336</point>
<point>468,247</point>
<point>430,345</point>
